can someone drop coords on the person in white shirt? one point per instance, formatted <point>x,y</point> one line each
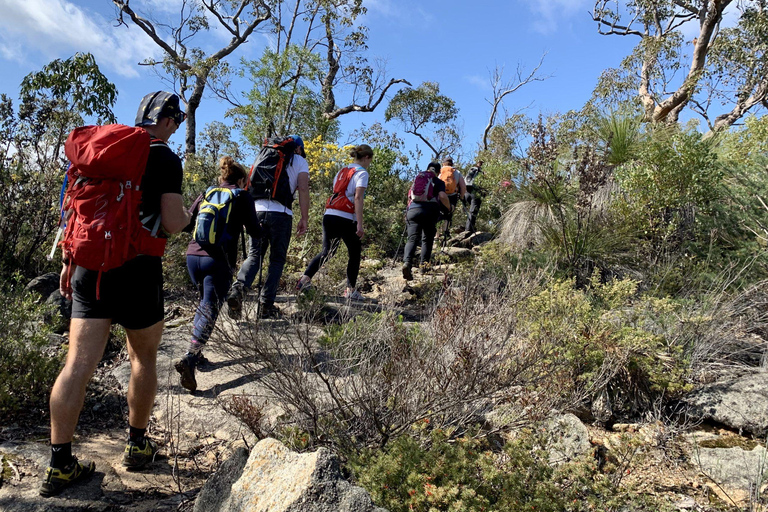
<point>276,219</point>
<point>343,220</point>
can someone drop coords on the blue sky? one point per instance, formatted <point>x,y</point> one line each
<point>455,43</point>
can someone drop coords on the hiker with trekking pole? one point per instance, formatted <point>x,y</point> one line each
<point>426,200</point>
<point>343,221</point>
<point>222,213</point>
<point>279,172</point>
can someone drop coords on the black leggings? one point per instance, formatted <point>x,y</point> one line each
<point>337,228</point>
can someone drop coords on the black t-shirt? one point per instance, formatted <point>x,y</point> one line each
<point>164,175</point>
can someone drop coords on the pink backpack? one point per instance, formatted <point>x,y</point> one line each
<point>423,188</point>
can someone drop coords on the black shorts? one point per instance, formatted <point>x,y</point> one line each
<point>131,295</point>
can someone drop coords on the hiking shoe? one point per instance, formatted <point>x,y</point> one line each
<point>353,295</point>
<point>56,480</point>
<point>303,287</point>
<point>235,300</point>
<point>136,457</point>
<point>269,311</point>
<point>186,368</point>
<point>407,274</point>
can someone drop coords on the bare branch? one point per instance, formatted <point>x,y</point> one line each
<point>149,29</point>
<point>371,106</point>
<point>500,91</point>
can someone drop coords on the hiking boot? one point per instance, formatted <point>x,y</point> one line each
<point>235,300</point>
<point>269,311</point>
<point>353,295</point>
<point>407,274</point>
<point>186,368</point>
<point>56,480</point>
<point>137,456</point>
<point>202,363</point>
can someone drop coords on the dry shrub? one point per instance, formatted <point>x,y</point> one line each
<point>372,377</point>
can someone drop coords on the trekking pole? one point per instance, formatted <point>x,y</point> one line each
<point>402,237</point>
<point>261,271</point>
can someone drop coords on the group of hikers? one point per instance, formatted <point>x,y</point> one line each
<point>125,284</point>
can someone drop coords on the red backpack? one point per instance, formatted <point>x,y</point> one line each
<point>103,195</point>
<point>339,199</point>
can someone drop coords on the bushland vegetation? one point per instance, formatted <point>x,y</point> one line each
<point>628,263</point>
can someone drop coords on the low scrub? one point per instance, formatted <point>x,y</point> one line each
<point>431,472</point>
<point>28,364</point>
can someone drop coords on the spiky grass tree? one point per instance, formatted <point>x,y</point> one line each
<point>565,207</point>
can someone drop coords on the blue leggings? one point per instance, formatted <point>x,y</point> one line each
<point>213,278</point>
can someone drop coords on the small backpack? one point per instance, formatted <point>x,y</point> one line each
<point>339,199</point>
<point>103,195</point>
<point>448,176</point>
<point>213,217</point>
<point>269,179</point>
<point>423,188</point>
<point>469,179</point>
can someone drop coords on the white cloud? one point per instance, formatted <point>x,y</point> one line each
<point>479,81</point>
<point>551,13</point>
<point>58,29</point>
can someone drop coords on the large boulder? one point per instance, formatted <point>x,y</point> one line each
<point>217,489</point>
<point>275,479</point>
<point>45,284</point>
<point>738,402</point>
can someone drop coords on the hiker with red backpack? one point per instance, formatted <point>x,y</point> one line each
<point>426,201</point>
<point>221,213</point>
<point>280,170</point>
<point>122,201</point>
<point>343,221</point>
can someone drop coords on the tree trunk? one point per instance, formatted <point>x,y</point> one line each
<point>681,97</point>
<point>192,103</point>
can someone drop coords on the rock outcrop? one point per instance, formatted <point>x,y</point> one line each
<point>738,402</point>
<point>275,479</point>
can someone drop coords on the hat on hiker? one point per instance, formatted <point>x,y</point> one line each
<point>297,140</point>
<point>434,167</point>
<point>156,105</point>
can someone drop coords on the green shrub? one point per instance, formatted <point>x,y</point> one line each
<point>28,365</point>
<point>606,337</point>
<point>433,472</point>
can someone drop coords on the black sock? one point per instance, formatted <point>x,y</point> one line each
<point>61,455</point>
<point>137,435</point>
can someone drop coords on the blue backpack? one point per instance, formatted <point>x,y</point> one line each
<point>213,216</point>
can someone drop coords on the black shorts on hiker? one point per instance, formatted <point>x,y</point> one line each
<point>131,295</point>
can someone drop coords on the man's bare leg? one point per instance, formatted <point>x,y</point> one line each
<point>142,351</point>
<point>87,340</point>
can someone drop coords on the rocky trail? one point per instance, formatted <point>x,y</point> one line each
<point>717,458</point>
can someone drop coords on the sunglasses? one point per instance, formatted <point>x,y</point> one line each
<point>179,117</point>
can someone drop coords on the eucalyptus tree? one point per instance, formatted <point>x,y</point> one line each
<point>185,64</point>
<point>427,114</point>
<point>318,55</point>
<point>726,65</point>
